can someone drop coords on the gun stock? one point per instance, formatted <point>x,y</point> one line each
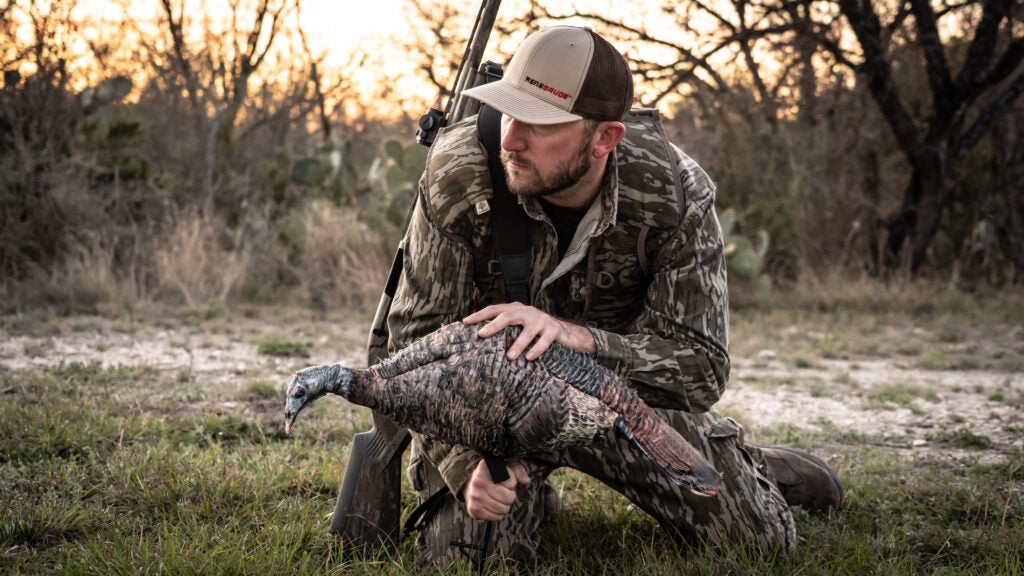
<point>374,472</point>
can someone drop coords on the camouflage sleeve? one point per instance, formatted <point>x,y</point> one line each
<point>437,285</point>
<point>676,353</point>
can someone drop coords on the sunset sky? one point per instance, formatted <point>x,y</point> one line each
<point>335,29</point>
<point>339,26</point>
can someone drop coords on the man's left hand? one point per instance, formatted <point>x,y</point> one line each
<point>539,328</point>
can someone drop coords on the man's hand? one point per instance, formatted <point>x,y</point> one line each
<point>537,325</point>
<point>486,500</point>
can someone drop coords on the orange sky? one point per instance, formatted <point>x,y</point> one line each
<point>334,28</point>
<point>340,25</point>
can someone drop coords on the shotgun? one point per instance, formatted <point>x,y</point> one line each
<point>368,513</point>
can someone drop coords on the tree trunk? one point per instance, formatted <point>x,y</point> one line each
<point>870,220</point>
<point>912,229</point>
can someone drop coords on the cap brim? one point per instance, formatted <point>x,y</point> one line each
<point>521,106</point>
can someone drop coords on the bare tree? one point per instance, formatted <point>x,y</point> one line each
<point>219,72</point>
<point>788,47</point>
<point>38,115</point>
<point>719,49</point>
<point>966,99</point>
<point>439,33</point>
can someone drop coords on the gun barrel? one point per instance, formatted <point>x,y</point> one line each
<point>468,75</point>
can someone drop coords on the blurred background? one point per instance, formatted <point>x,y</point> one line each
<point>262,151</point>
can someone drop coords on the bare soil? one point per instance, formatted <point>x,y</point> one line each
<point>834,405</point>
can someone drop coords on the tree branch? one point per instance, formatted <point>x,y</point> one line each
<point>944,93</point>
<point>180,51</point>
<point>866,26</point>
<point>979,55</point>
<point>988,116</point>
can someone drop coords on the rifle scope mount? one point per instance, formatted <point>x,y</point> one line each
<point>429,124</point>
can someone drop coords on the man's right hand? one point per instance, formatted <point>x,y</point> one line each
<point>540,329</point>
<point>486,500</point>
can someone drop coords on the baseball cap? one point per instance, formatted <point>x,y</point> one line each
<point>561,74</point>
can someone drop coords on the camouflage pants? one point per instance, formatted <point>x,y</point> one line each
<point>748,509</point>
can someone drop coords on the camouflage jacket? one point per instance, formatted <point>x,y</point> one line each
<point>645,272</point>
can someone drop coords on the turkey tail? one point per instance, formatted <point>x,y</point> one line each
<point>674,456</point>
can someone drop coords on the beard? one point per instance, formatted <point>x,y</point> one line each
<point>565,175</point>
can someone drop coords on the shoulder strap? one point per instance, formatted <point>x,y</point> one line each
<point>509,222</point>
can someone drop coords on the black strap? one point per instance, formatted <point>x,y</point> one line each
<point>509,222</point>
<point>422,514</point>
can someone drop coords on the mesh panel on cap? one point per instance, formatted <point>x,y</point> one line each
<point>607,92</point>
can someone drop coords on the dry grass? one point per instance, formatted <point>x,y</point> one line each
<point>321,255</point>
<point>134,470</point>
<point>199,262</point>
<point>842,318</point>
<point>344,263</point>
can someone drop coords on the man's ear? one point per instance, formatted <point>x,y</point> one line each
<point>609,134</point>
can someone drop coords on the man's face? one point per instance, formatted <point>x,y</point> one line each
<point>541,160</point>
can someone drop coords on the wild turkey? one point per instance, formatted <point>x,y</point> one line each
<point>455,386</point>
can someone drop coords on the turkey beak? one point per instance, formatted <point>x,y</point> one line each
<point>289,421</point>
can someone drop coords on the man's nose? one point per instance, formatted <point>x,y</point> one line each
<point>512,135</point>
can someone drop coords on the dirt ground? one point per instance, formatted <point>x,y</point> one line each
<point>835,405</point>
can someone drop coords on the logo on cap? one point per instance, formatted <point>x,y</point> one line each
<point>547,88</point>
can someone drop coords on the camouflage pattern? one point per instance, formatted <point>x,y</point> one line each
<point>645,273</point>
<point>748,508</point>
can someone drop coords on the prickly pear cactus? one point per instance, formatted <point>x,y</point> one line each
<point>329,168</point>
<point>109,90</point>
<point>745,258</point>
<point>407,162</point>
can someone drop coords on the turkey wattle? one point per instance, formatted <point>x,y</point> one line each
<point>454,386</point>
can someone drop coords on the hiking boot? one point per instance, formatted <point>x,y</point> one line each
<point>804,479</point>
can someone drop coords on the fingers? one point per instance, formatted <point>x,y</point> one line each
<point>486,500</point>
<point>539,329</point>
<point>491,508</point>
<point>488,313</point>
<point>517,472</point>
<point>502,316</point>
<point>542,343</point>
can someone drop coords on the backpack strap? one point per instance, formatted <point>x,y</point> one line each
<point>509,222</point>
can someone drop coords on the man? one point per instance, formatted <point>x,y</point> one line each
<point>627,265</point>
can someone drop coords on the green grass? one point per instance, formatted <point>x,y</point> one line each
<point>284,348</point>
<point>892,396</point>
<point>95,478</point>
<point>918,324</point>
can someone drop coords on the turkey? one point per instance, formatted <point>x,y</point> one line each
<point>454,386</point>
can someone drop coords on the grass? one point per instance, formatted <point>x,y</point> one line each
<point>284,348</point>
<point>890,397</point>
<point>113,469</point>
<point>924,326</point>
<point>94,481</point>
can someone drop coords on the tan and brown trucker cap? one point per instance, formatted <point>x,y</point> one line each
<point>561,74</point>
